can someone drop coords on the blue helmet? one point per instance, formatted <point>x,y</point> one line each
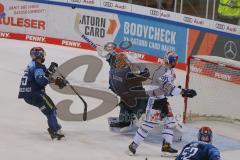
<point>37,52</point>
<point>171,57</point>
<point>205,134</point>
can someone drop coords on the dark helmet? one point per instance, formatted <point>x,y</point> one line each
<point>205,134</point>
<point>120,60</point>
<point>37,53</point>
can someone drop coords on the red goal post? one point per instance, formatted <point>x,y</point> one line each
<point>217,82</point>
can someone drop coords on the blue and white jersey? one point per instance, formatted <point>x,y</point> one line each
<point>163,82</point>
<point>199,151</point>
<point>33,81</point>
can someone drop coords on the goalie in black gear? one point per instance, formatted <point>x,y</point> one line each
<point>158,107</point>
<point>128,86</point>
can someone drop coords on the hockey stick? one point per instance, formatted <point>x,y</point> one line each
<point>108,48</point>
<point>99,49</point>
<point>74,90</point>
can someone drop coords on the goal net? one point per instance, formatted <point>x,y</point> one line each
<point>217,82</point>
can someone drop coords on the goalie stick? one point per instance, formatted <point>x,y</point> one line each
<point>109,47</point>
<point>83,36</point>
<point>74,90</point>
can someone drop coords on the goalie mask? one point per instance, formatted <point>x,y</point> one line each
<point>120,61</point>
<point>171,58</point>
<point>205,134</point>
<point>38,53</point>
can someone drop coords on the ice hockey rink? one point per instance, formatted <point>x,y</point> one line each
<point>23,134</point>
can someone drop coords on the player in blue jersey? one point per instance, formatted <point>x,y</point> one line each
<point>32,89</point>
<point>201,149</point>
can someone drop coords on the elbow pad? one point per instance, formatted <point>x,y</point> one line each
<point>168,88</point>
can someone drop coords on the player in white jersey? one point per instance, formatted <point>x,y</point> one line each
<point>158,106</point>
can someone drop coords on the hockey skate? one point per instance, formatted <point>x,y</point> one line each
<point>55,134</point>
<point>168,151</point>
<point>120,124</point>
<point>132,149</point>
<point>121,127</point>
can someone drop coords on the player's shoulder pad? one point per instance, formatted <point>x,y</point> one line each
<point>33,65</point>
<point>163,68</point>
<point>40,66</point>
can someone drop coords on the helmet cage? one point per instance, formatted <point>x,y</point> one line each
<point>171,57</point>
<point>205,135</point>
<point>37,52</point>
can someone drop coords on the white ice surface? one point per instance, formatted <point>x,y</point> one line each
<point>23,134</point>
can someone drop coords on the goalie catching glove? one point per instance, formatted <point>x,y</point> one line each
<point>190,93</point>
<point>60,82</point>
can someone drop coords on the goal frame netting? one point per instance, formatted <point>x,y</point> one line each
<point>217,61</point>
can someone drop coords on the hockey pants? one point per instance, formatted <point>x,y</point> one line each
<point>47,107</point>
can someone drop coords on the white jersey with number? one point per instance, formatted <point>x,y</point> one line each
<point>162,83</point>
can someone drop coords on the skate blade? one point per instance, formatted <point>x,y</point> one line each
<point>166,154</point>
<point>59,139</point>
<point>130,153</point>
